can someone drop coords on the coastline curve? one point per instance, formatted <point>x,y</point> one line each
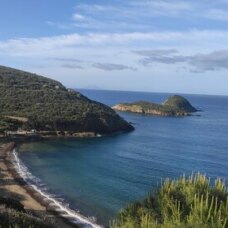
<point>47,199</point>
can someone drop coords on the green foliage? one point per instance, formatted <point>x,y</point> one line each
<point>7,124</point>
<point>49,106</point>
<point>12,203</point>
<point>13,214</point>
<point>174,106</point>
<point>16,219</point>
<point>179,103</point>
<point>183,203</point>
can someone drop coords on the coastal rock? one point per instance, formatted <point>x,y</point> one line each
<point>31,104</point>
<point>179,103</point>
<point>173,106</point>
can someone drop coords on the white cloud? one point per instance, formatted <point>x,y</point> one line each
<point>155,52</point>
<point>93,8</point>
<point>78,17</point>
<point>59,25</point>
<point>125,16</point>
<point>165,7</point>
<point>112,67</point>
<point>201,62</point>
<point>77,51</point>
<point>117,34</point>
<point>223,1</point>
<point>135,15</point>
<point>217,14</point>
<point>72,66</point>
<point>190,39</point>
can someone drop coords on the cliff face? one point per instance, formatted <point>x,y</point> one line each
<point>174,106</point>
<point>29,101</point>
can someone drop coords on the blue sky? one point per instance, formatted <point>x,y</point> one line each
<point>141,45</point>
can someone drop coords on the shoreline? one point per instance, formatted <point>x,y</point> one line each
<point>35,198</point>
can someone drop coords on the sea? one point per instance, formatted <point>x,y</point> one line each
<point>99,176</point>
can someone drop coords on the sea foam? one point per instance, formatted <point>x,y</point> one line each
<point>53,200</point>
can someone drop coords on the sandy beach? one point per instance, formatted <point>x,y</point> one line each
<point>14,187</point>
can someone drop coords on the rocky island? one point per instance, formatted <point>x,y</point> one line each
<point>35,105</point>
<point>173,106</point>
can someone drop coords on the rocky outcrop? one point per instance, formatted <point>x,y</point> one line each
<point>179,103</point>
<point>174,106</point>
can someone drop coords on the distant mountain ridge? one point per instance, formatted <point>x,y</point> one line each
<point>29,101</point>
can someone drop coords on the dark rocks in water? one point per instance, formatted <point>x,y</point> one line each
<point>174,106</point>
<point>35,104</point>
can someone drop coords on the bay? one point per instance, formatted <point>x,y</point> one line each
<point>99,176</point>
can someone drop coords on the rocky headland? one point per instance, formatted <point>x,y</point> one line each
<point>33,105</point>
<point>173,106</point>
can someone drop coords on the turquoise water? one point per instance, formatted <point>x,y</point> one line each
<point>101,175</point>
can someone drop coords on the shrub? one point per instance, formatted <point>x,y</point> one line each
<point>186,202</point>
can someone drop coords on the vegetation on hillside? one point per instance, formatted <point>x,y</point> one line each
<point>184,203</point>
<point>180,103</point>
<point>174,106</point>
<point>49,106</point>
<point>13,214</point>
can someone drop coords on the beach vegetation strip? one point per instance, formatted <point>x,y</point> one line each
<point>20,204</point>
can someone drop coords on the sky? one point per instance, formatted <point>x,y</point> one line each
<point>176,46</point>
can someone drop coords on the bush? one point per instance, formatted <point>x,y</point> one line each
<point>186,202</point>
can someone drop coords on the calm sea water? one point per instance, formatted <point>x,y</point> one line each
<point>101,175</point>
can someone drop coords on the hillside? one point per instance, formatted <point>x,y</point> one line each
<point>179,103</point>
<point>13,214</point>
<point>29,101</point>
<point>174,106</point>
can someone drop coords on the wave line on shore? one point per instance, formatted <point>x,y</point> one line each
<point>71,215</point>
